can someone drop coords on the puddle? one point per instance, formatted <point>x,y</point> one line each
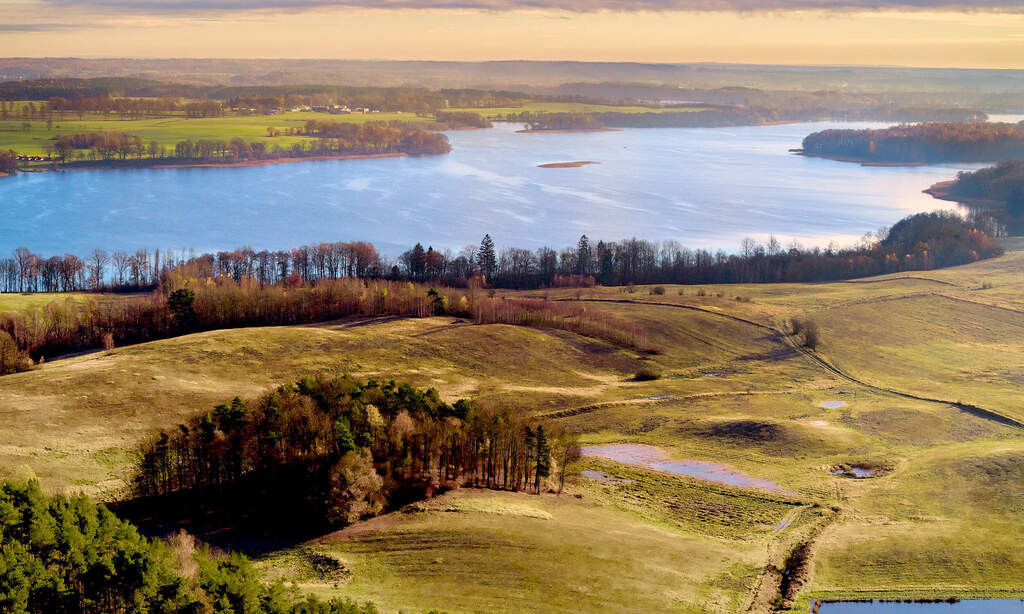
<point>832,404</point>
<point>819,422</point>
<point>782,525</point>
<point>660,397</point>
<point>968,606</point>
<point>656,458</point>
<point>712,375</point>
<point>851,471</point>
<point>600,476</point>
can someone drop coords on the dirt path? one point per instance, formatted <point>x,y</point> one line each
<point>974,410</point>
<point>584,409</point>
<point>815,358</point>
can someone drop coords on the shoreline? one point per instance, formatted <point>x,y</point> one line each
<point>270,161</point>
<point>566,130</point>
<point>143,164</point>
<point>943,191</point>
<point>861,161</point>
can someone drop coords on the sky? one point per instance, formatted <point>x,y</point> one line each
<point>938,33</point>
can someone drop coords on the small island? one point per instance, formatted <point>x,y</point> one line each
<point>576,164</point>
<point>916,144</point>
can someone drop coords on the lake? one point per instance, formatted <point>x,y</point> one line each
<point>705,187</point>
<point>971,606</point>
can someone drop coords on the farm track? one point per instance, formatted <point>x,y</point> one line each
<point>892,279</point>
<point>585,409</point>
<point>818,360</point>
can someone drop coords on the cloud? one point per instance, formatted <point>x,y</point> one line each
<point>36,27</point>
<point>578,6</point>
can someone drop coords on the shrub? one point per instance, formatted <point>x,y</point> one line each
<point>806,332</point>
<point>12,359</point>
<point>647,374</point>
<point>659,290</point>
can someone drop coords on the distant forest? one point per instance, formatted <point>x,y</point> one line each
<point>920,143</point>
<point>135,98</point>
<point>702,116</point>
<point>553,76</point>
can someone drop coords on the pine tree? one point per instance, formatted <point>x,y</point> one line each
<point>417,262</point>
<point>584,256</point>
<point>486,257</point>
<point>542,458</point>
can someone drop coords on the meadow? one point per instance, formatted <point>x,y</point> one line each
<point>170,129</point>
<point>939,518</point>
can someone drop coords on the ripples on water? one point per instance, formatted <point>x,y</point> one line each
<point>704,187</point>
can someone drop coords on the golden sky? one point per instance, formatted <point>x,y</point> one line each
<point>627,30</point>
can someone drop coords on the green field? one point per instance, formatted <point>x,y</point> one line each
<point>170,130</point>
<point>941,518</point>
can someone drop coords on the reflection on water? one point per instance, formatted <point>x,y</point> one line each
<point>656,458</point>
<point>706,187</point>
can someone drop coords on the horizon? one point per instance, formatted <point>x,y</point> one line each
<point>903,33</point>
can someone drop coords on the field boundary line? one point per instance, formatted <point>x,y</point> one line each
<point>815,358</point>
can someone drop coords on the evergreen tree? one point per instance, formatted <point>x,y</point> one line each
<point>486,257</point>
<point>584,256</point>
<point>180,303</point>
<point>417,262</point>
<point>542,458</point>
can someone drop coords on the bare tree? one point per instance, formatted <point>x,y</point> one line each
<point>98,261</point>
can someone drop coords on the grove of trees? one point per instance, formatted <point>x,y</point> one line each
<point>350,449</point>
<point>921,143</point>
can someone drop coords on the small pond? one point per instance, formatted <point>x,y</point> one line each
<point>656,458</point>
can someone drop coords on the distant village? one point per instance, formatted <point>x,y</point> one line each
<point>336,109</point>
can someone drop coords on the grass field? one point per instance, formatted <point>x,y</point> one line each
<point>941,518</point>
<point>170,130</point>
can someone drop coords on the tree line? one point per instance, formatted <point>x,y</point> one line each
<point>134,98</point>
<point>332,280</point>
<point>351,449</point>
<point>333,139</point>
<point>919,242</point>
<point>705,116</point>
<point>921,143</point>
<point>67,555</point>
<point>184,304</point>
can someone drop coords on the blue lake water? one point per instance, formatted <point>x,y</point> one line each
<point>705,187</point>
<point>972,606</point>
